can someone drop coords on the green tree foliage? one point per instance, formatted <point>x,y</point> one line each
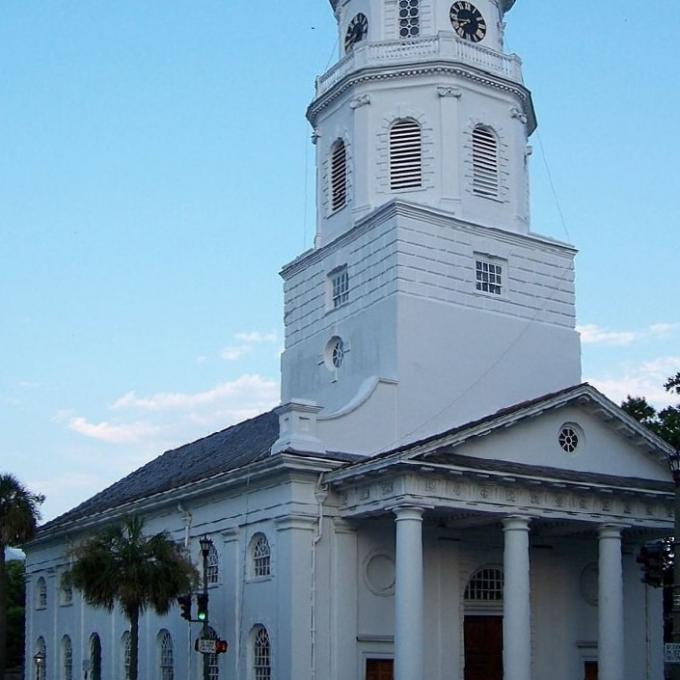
<point>19,515</point>
<point>16,595</point>
<point>120,565</point>
<point>666,422</point>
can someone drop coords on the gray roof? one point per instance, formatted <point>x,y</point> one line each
<point>239,445</point>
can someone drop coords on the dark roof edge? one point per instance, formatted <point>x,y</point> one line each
<point>288,460</point>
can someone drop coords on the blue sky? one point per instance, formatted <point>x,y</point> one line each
<point>156,172</point>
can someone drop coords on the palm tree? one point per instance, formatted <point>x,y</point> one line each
<point>122,565</point>
<point>19,517</point>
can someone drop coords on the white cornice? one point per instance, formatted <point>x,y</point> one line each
<point>398,207</point>
<point>436,67</point>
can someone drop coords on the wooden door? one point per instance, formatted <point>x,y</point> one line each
<point>483,648</point>
<point>591,670</point>
<point>379,669</point>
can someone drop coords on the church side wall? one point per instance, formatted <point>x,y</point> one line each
<point>284,510</point>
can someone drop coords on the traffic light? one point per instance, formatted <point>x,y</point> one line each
<point>654,560</point>
<point>202,605</point>
<point>184,602</point>
<point>221,646</point>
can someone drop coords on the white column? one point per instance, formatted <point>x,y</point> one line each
<point>408,601</point>
<point>516,600</point>
<point>610,601</point>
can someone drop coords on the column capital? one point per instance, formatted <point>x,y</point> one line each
<point>516,523</point>
<point>611,530</point>
<point>408,512</point>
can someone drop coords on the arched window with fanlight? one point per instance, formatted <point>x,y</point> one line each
<point>40,659</point>
<point>66,658</point>
<point>262,656</point>
<point>406,155</point>
<point>213,566</point>
<point>485,171</point>
<point>338,175</point>
<point>41,593</point>
<point>95,657</point>
<point>260,556</point>
<point>485,586</point>
<point>166,659</point>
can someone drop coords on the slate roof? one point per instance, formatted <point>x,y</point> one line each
<point>230,449</point>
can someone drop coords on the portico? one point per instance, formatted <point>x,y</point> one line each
<point>431,493</point>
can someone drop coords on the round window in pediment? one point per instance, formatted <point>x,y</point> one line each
<point>570,437</point>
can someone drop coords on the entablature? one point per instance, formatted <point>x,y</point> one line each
<point>457,490</point>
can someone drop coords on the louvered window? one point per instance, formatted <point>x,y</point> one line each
<point>406,155</point>
<point>484,162</point>
<point>338,176</point>
<point>409,19</point>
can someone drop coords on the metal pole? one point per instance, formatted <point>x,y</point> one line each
<point>206,669</point>
<point>675,668</point>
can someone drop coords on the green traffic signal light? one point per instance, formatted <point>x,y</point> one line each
<point>202,606</point>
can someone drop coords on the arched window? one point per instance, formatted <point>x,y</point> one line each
<point>406,155</point>
<point>213,659</point>
<point>409,19</point>
<point>95,657</point>
<point>66,658</point>
<point>213,571</point>
<point>125,654</point>
<point>338,175</point>
<point>66,589</point>
<point>484,162</point>
<point>262,658</point>
<point>261,555</point>
<point>486,585</point>
<point>40,659</point>
<point>41,593</point>
<point>165,655</point>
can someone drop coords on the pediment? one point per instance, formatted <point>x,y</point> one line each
<point>606,441</point>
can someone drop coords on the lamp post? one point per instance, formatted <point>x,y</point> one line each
<point>206,544</point>
<point>674,462</point>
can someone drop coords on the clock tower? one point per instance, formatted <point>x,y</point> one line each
<point>426,301</point>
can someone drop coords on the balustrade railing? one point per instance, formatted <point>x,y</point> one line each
<point>444,46</point>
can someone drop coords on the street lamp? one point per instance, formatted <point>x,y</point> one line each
<point>39,660</point>
<point>206,546</point>
<point>674,463</point>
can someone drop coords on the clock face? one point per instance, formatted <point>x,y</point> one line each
<point>468,21</point>
<point>356,31</point>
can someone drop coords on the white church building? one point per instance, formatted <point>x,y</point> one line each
<point>438,497</point>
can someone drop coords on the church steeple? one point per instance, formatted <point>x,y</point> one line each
<point>426,300</point>
<point>457,142</point>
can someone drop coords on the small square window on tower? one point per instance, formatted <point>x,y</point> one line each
<point>338,287</point>
<point>489,273</point>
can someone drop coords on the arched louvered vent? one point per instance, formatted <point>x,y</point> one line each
<point>484,162</point>
<point>406,155</point>
<point>338,175</point>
